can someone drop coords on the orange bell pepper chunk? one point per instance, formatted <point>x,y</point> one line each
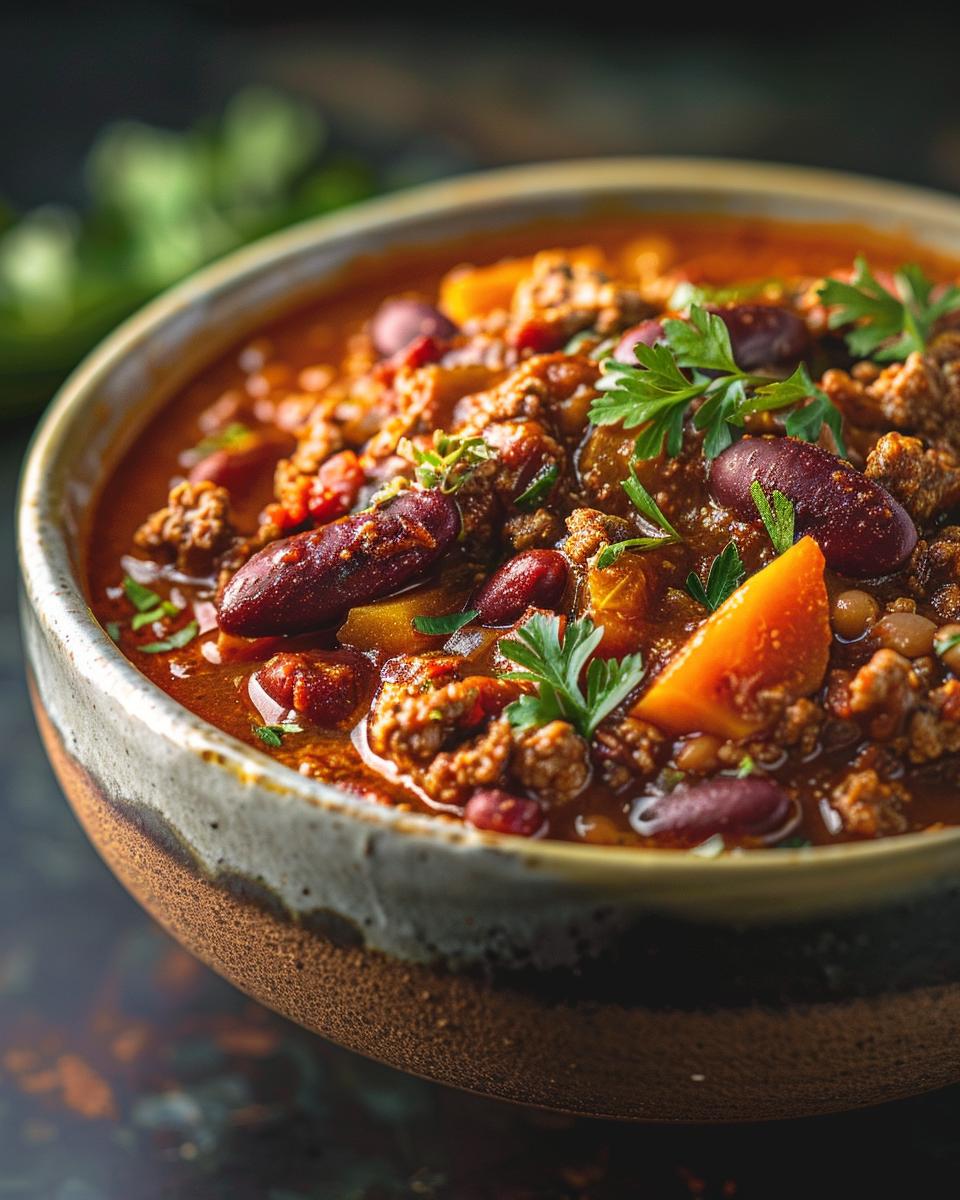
<point>467,292</point>
<point>774,631</point>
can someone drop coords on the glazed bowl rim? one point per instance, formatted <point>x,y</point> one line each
<point>45,562</point>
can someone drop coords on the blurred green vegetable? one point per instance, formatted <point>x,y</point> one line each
<point>161,205</point>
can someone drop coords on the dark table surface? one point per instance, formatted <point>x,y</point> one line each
<point>128,1071</point>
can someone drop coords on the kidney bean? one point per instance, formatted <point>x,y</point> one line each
<point>862,531</point>
<point>236,469</point>
<point>763,334</point>
<point>751,807</point>
<point>647,333</point>
<point>534,577</point>
<point>500,812</point>
<point>396,323</point>
<point>323,686</point>
<point>306,581</point>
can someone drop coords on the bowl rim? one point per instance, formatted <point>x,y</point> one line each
<point>46,567</point>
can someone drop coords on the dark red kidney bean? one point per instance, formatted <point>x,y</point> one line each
<point>499,812</point>
<point>647,333</point>
<point>236,469</point>
<point>764,335</point>
<point>307,581</point>
<point>533,577</point>
<point>751,807</point>
<point>396,323</point>
<point>323,686</point>
<point>862,531</point>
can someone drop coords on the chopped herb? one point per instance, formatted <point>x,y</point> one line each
<point>944,645</point>
<point>223,439</point>
<point>725,576</point>
<point>794,843</point>
<point>273,734</point>
<point>449,623</point>
<point>556,666</point>
<point>176,640</point>
<point>579,340</point>
<point>142,598</point>
<point>449,463</point>
<point>612,553</point>
<point>747,767</point>
<point>539,488</point>
<point>887,325</point>
<point>657,393</point>
<point>645,504</point>
<point>778,520</point>
<point>685,294</point>
<point>389,491</point>
<point>113,630</point>
<point>165,609</point>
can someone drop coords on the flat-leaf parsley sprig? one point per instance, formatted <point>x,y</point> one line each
<point>725,576</point>
<point>645,504</point>
<point>887,326</point>
<point>657,393</point>
<point>555,664</point>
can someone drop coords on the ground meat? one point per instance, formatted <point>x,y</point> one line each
<point>800,726</point>
<point>551,388</point>
<point>479,762</point>
<point>193,529</point>
<point>868,806</point>
<point>883,693</point>
<point>533,531</point>
<point>627,749</point>
<point>590,530</point>
<point>925,481</point>
<point>921,394</point>
<point>423,707</point>
<point>564,297</point>
<point>934,572</point>
<point>935,729</point>
<point>552,761</point>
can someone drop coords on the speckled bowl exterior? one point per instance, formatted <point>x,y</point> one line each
<point>651,985</point>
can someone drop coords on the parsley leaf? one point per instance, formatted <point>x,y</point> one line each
<point>449,463</point>
<point>142,598</point>
<point>164,609</point>
<point>113,630</point>
<point>645,504</point>
<point>725,576</point>
<point>778,520</point>
<point>272,735</point>
<point>747,767</point>
<point>657,393</point>
<point>539,488</point>
<point>176,641</point>
<point>886,325</point>
<point>556,666</point>
<point>943,645</point>
<point>612,553</point>
<point>449,623</point>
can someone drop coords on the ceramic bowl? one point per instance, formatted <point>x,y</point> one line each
<point>651,985</point>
